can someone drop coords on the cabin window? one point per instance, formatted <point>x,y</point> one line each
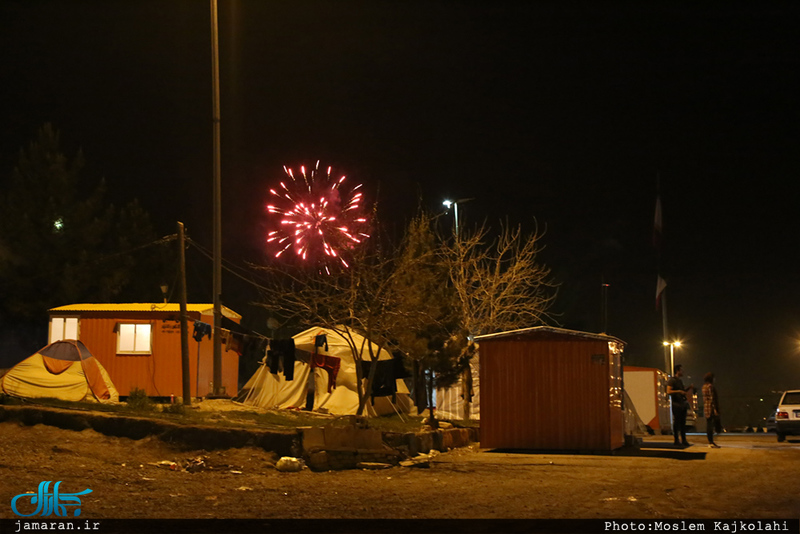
<point>134,339</point>
<point>63,328</point>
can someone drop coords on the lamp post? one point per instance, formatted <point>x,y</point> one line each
<point>672,346</point>
<point>454,204</point>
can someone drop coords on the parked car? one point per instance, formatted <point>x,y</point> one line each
<point>787,416</point>
<point>770,422</point>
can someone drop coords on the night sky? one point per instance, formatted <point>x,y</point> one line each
<point>562,113</point>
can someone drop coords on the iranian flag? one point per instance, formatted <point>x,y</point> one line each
<point>661,285</point>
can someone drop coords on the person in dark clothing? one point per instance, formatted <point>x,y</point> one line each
<point>711,408</point>
<point>680,405</point>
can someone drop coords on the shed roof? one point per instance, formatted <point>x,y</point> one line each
<point>547,332</point>
<point>203,309</point>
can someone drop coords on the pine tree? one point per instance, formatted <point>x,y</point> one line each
<point>60,241</point>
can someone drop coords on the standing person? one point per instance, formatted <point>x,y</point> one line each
<point>680,405</point>
<point>710,408</point>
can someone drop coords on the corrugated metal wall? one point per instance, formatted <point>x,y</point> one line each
<point>159,373</point>
<point>549,394</point>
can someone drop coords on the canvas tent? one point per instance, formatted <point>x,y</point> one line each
<point>64,370</point>
<point>462,400</point>
<point>269,390</point>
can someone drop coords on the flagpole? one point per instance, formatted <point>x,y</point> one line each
<point>661,290</point>
<point>665,330</point>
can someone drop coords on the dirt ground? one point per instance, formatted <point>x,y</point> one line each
<point>751,476</point>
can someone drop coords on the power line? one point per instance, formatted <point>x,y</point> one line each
<point>96,260</point>
<point>230,269</point>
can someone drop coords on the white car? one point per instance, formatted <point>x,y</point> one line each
<point>787,416</point>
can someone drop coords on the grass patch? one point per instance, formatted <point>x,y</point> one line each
<point>140,405</point>
<point>396,423</point>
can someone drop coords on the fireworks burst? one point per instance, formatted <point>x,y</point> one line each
<point>319,216</point>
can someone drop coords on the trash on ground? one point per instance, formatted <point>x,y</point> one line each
<point>195,464</point>
<point>287,464</point>
<point>373,465</point>
<point>172,466</point>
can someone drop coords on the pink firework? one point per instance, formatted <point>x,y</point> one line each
<point>319,216</point>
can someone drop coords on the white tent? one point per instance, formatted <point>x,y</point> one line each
<point>462,400</point>
<point>269,390</point>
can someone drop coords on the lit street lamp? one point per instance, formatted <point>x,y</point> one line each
<point>672,355</point>
<point>454,204</point>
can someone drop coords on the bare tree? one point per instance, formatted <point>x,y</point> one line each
<point>348,300</point>
<point>444,291</point>
<point>427,296</point>
<point>499,283</point>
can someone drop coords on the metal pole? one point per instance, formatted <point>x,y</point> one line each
<point>217,275</point>
<point>665,330</point>
<point>671,358</point>
<point>455,207</point>
<point>187,389</point>
<point>604,298</point>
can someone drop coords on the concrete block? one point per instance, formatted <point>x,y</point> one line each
<point>369,438</point>
<point>318,461</point>
<point>424,441</point>
<point>437,440</point>
<point>336,437</point>
<point>350,436</point>
<point>313,438</point>
<point>448,440</point>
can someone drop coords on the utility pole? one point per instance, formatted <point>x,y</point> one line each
<point>187,390</point>
<point>217,334</point>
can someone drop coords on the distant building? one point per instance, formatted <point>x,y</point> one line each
<point>140,345</point>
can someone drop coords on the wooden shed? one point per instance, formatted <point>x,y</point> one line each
<point>140,345</point>
<point>551,388</point>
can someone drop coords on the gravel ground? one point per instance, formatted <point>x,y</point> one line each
<point>751,476</point>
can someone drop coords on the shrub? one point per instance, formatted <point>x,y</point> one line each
<point>176,408</point>
<point>139,401</point>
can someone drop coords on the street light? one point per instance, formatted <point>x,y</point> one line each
<point>454,204</point>
<point>672,355</point>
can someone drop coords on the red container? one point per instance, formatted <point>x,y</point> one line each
<point>552,389</point>
<point>158,372</point>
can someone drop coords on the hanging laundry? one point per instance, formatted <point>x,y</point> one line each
<point>283,349</point>
<point>467,390</point>
<point>400,370</point>
<point>384,382</point>
<point>254,348</point>
<point>330,364</point>
<point>235,343</point>
<point>201,330</point>
<point>273,361</point>
<point>224,336</point>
